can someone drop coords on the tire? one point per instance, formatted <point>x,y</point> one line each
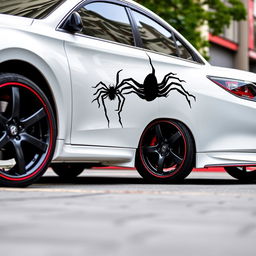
<point>27,131</point>
<point>166,152</point>
<point>241,173</point>
<point>68,171</point>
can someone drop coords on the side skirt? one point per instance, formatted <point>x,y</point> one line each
<point>223,159</point>
<point>124,157</point>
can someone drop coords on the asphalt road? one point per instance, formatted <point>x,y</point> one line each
<point>118,213</point>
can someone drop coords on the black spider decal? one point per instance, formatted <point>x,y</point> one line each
<point>111,92</point>
<point>151,89</point>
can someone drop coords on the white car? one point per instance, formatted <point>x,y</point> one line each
<point>99,83</point>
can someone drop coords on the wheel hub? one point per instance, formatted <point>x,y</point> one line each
<point>13,130</point>
<point>164,149</point>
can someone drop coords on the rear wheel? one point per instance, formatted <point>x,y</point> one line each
<point>68,171</point>
<point>27,131</point>
<point>166,151</point>
<point>242,173</point>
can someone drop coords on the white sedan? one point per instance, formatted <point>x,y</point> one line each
<point>99,83</point>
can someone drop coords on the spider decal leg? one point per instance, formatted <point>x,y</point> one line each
<point>121,100</point>
<point>129,81</point>
<point>181,92</point>
<point>98,97</point>
<point>96,86</point>
<point>100,91</point>
<point>130,86</point>
<point>117,77</point>
<point>167,78</point>
<point>103,97</point>
<point>140,94</point>
<point>165,91</point>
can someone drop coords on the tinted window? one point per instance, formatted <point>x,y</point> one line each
<point>154,36</point>
<point>37,9</point>
<point>107,21</point>
<point>183,52</point>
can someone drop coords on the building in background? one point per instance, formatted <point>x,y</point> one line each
<point>236,47</point>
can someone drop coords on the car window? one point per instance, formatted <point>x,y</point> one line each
<point>107,21</point>
<point>183,52</point>
<point>37,9</point>
<point>154,36</point>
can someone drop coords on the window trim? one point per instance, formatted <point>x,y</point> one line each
<point>110,2</point>
<point>196,58</point>
<point>137,39</point>
<point>160,24</point>
<point>86,2</point>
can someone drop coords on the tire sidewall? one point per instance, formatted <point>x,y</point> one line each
<point>183,170</point>
<point>35,175</point>
<point>240,175</point>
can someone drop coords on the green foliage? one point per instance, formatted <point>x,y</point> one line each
<point>187,16</point>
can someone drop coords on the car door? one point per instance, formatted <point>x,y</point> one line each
<point>176,68</point>
<point>101,57</point>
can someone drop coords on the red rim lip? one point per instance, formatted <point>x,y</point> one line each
<point>185,150</point>
<point>51,133</point>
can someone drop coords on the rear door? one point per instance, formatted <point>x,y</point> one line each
<point>176,68</point>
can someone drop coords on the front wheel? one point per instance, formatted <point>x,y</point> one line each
<point>27,131</point>
<point>166,151</point>
<point>242,173</point>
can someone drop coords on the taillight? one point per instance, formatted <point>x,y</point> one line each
<point>243,89</point>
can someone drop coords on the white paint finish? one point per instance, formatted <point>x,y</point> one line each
<point>105,155</point>
<point>43,49</point>
<point>225,158</point>
<point>92,61</point>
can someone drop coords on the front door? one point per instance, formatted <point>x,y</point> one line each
<point>104,64</point>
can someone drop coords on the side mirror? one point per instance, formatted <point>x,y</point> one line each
<point>74,23</point>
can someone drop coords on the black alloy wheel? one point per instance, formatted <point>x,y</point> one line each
<point>68,171</point>
<point>27,131</point>
<point>166,151</point>
<point>242,173</point>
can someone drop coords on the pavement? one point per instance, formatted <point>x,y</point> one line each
<point>113,212</point>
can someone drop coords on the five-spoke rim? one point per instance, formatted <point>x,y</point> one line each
<point>25,131</point>
<point>163,149</point>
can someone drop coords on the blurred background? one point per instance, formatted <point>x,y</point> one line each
<point>224,31</point>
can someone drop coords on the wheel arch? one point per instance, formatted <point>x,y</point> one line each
<point>31,72</point>
<point>51,77</point>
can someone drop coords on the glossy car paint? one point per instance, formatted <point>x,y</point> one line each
<point>223,125</point>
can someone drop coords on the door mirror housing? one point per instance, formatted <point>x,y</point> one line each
<point>73,23</point>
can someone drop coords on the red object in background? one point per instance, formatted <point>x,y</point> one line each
<point>251,23</point>
<point>223,42</point>
<point>252,54</point>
